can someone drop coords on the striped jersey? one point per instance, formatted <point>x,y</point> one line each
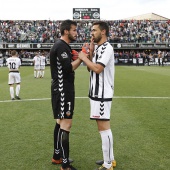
<point>102,85</point>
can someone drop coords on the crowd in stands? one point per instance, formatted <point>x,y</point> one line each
<point>121,31</point>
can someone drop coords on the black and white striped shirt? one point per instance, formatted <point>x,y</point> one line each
<point>102,85</point>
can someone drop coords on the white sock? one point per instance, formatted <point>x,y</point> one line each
<point>107,147</point>
<point>42,73</point>
<point>38,74</point>
<point>17,89</point>
<point>35,74</point>
<point>11,89</point>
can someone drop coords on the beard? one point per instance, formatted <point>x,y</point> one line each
<point>97,39</point>
<point>71,38</point>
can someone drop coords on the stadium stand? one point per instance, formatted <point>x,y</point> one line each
<point>122,31</point>
<point>132,38</point>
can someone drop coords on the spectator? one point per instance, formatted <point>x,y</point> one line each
<point>121,31</point>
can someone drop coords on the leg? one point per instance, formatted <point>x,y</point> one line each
<point>56,155</point>
<point>65,122</point>
<point>11,89</point>
<point>107,142</point>
<point>65,126</point>
<point>64,147</point>
<point>38,73</point>
<point>42,73</point>
<point>17,89</point>
<point>35,73</point>
<point>11,82</point>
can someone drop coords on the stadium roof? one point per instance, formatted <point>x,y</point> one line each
<point>149,16</point>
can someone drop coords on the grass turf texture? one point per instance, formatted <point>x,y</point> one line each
<point>140,125</point>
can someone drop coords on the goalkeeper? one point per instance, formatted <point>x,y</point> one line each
<point>63,62</point>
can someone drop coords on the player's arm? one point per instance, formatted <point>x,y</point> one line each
<point>65,61</point>
<point>33,62</point>
<point>20,63</point>
<point>7,62</point>
<point>76,63</point>
<point>75,60</point>
<point>97,68</point>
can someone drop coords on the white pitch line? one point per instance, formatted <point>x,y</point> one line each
<point>135,97</point>
<point>115,97</point>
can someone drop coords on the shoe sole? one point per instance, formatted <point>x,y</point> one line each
<point>17,98</point>
<point>60,162</point>
<point>100,162</point>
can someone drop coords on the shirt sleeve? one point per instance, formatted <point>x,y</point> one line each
<point>64,56</point>
<point>105,54</point>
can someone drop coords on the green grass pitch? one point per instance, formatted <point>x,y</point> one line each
<point>140,121</point>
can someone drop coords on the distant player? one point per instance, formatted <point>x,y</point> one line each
<point>13,64</point>
<point>36,62</point>
<point>42,65</point>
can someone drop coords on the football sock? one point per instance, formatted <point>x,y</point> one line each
<point>42,73</point>
<point>64,147</point>
<point>107,147</point>
<point>35,73</point>
<point>56,154</point>
<point>38,74</point>
<point>17,89</point>
<point>11,89</point>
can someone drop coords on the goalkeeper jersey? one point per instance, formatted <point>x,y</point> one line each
<point>61,68</point>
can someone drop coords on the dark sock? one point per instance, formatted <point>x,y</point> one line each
<point>56,154</point>
<point>65,147</point>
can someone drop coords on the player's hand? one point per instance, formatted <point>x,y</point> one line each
<point>74,55</point>
<point>82,55</point>
<point>91,46</point>
<point>86,48</point>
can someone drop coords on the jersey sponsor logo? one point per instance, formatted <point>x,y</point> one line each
<point>64,55</point>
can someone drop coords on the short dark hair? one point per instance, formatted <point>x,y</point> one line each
<point>103,26</point>
<point>66,25</point>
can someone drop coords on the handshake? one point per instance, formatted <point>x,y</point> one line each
<point>85,50</point>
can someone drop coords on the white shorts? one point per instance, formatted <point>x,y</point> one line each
<point>100,110</point>
<point>14,77</point>
<point>42,67</point>
<point>37,67</point>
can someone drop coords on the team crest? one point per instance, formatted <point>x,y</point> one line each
<point>68,113</point>
<point>64,55</point>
